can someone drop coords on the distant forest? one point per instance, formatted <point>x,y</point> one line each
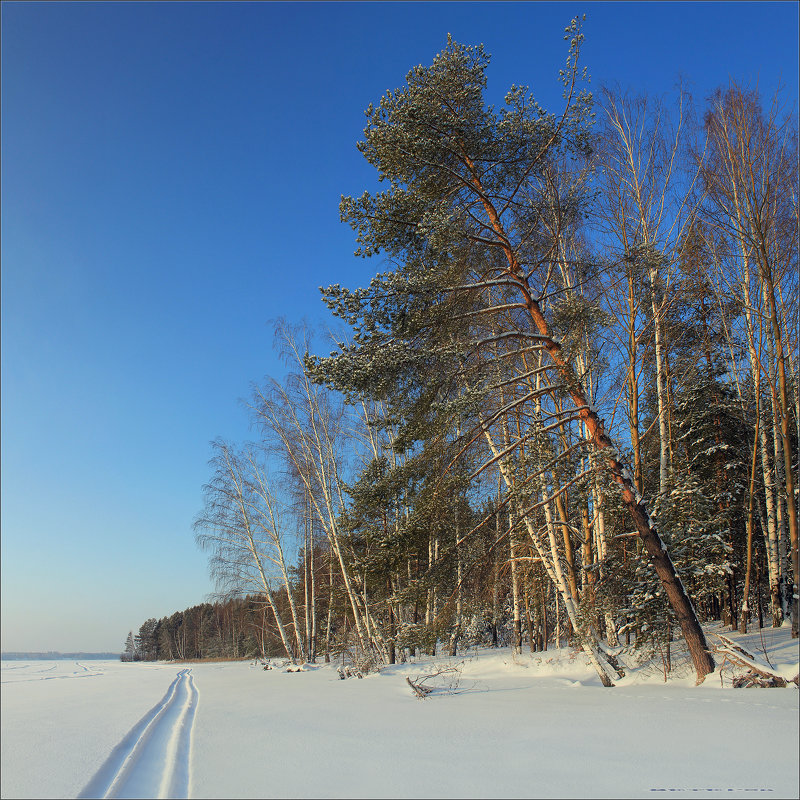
<point>568,409</point>
<point>52,655</point>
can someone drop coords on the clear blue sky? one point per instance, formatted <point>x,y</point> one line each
<point>171,174</point>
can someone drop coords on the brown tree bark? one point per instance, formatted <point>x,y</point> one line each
<point>656,549</point>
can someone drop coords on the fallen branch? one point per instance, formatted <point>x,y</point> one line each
<point>419,690</point>
<point>612,660</point>
<point>758,674</point>
<point>728,643</point>
<point>422,691</point>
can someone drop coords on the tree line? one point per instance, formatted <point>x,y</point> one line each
<point>228,629</point>
<point>569,409</point>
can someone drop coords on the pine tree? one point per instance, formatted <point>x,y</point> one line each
<point>471,217</point>
<point>145,640</point>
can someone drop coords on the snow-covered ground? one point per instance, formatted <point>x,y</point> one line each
<point>535,726</point>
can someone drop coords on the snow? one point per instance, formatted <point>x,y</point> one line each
<point>535,725</point>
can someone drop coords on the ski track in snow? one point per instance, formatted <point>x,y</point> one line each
<point>86,673</point>
<point>153,759</point>
<point>39,671</point>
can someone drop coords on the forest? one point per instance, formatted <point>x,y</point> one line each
<point>565,410</point>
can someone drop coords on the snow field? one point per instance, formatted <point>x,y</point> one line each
<point>510,732</point>
<point>59,722</point>
<point>536,725</point>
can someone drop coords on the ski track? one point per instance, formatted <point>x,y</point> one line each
<point>153,759</point>
<point>87,673</point>
<point>43,669</point>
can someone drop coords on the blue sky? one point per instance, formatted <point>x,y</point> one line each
<point>171,174</point>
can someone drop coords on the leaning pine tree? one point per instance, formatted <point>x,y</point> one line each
<point>476,210</point>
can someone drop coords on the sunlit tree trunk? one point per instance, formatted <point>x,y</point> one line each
<point>774,564</point>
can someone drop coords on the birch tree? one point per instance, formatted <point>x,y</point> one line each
<point>750,174</point>
<point>304,422</point>
<point>240,528</point>
<point>646,206</point>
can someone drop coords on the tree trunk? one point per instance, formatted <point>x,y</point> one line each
<point>329,622</point>
<point>770,530</point>
<point>392,628</point>
<point>656,549</point>
<point>745,615</point>
<point>313,637</point>
<point>495,586</point>
<point>602,544</point>
<point>569,555</point>
<point>663,436</point>
<point>512,549</point>
<point>633,386</point>
<point>545,632</point>
<point>785,441</point>
<point>528,622</point>
<point>457,626</point>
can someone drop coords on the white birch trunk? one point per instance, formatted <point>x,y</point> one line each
<point>553,569</point>
<point>512,549</point>
<point>771,530</point>
<point>663,434</point>
<point>778,468</point>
